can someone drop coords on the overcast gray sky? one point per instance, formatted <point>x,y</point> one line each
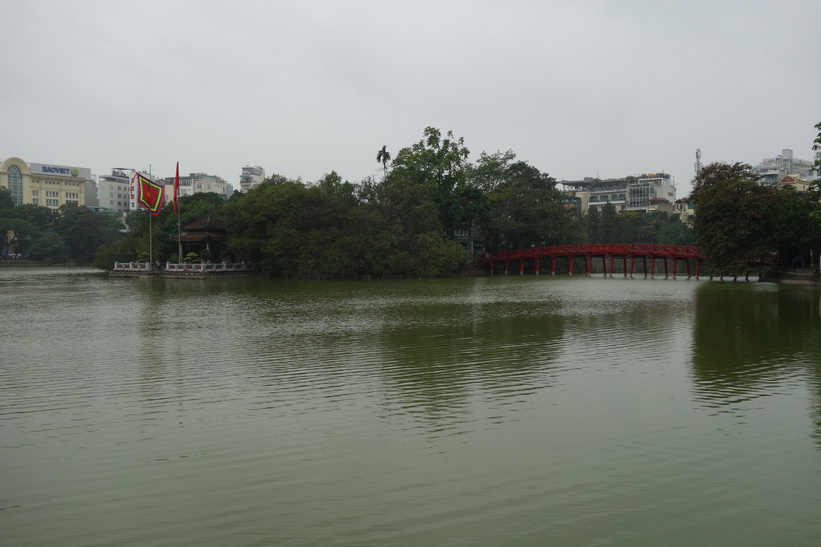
<point>576,88</point>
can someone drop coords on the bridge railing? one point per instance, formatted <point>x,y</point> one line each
<point>616,249</point>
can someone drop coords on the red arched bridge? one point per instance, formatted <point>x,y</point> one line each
<point>626,253</point>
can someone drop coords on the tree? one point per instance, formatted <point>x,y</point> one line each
<point>48,245</point>
<point>795,229</point>
<point>676,232</point>
<point>253,218</point>
<point>42,217</point>
<point>438,165</point>
<point>6,201</point>
<point>593,225</point>
<point>734,222</point>
<point>24,233</point>
<point>84,231</point>
<point>491,170</point>
<point>527,209</point>
<point>817,146</point>
<point>815,187</point>
<point>383,156</point>
<point>608,229</point>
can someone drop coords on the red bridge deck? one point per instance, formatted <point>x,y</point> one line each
<point>627,252</point>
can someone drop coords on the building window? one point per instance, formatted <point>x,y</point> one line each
<point>35,201</point>
<point>16,184</point>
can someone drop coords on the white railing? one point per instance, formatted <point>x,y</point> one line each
<point>132,267</point>
<point>185,267</point>
<point>207,267</point>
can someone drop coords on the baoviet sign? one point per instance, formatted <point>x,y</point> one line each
<point>60,170</point>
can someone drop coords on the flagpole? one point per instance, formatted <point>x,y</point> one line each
<point>177,208</point>
<point>150,235</point>
<point>179,236</point>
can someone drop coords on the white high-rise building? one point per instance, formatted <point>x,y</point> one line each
<point>771,171</point>
<point>113,190</point>
<point>195,183</point>
<point>645,192</point>
<point>252,176</point>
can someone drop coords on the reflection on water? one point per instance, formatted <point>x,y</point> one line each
<point>754,342</point>
<point>493,411</point>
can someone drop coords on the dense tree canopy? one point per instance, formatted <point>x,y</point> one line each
<point>527,209</point>
<point>70,233</point>
<point>741,224</point>
<point>815,188</point>
<point>734,222</point>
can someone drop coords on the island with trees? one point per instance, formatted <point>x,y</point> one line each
<point>428,214</point>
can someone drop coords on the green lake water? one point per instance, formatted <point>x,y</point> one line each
<point>517,410</point>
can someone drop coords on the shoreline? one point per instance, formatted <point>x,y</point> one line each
<point>793,276</point>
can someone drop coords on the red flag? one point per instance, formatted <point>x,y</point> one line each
<point>151,194</point>
<point>176,187</point>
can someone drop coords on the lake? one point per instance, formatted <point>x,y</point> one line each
<point>519,410</point>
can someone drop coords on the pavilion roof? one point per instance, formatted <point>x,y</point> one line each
<point>205,224</point>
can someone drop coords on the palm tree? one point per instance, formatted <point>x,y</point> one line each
<point>384,156</point>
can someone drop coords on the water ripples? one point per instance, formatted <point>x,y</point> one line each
<point>452,412</point>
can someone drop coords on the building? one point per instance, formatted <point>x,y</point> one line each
<point>685,210</point>
<point>795,182</point>
<point>114,191</point>
<point>44,184</point>
<point>203,234</point>
<point>644,193</point>
<point>771,171</point>
<point>251,178</point>
<point>196,183</point>
<point>91,194</point>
